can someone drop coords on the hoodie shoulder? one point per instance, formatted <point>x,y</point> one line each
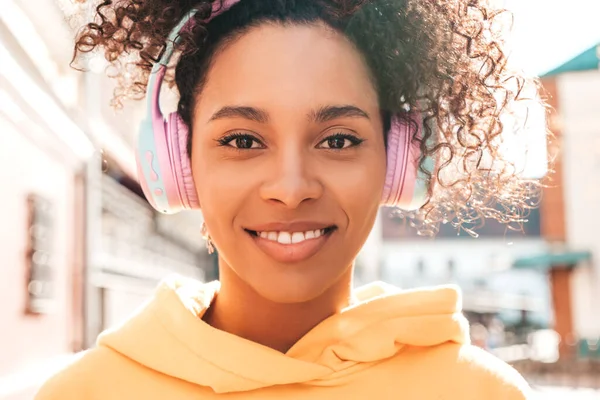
<point>491,375</point>
<point>69,383</point>
<point>459,371</point>
<point>86,377</point>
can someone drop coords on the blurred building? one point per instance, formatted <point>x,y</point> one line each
<point>82,247</point>
<point>547,275</point>
<point>44,156</point>
<point>481,266</point>
<point>571,204</point>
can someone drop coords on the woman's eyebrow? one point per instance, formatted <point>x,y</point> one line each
<point>320,115</point>
<point>331,112</point>
<point>246,112</point>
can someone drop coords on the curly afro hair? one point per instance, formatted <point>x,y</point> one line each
<point>446,57</point>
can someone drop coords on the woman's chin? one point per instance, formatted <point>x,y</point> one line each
<point>296,291</point>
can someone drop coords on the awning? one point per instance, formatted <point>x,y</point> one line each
<point>586,61</point>
<point>546,261</point>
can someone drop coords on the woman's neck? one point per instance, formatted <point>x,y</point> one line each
<point>241,311</point>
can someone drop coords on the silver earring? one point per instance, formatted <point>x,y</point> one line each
<point>206,236</point>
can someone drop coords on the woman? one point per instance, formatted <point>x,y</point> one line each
<point>296,121</point>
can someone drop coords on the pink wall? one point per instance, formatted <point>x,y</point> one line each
<point>27,341</point>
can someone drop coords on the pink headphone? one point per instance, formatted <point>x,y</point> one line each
<point>164,167</point>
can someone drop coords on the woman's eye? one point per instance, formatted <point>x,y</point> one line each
<point>241,141</point>
<point>340,141</point>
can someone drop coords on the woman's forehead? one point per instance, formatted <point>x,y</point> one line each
<point>290,63</point>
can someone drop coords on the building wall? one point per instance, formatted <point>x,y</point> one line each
<point>553,224</point>
<point>579,102</point>
<point>44,153</point>
<point>471,257</point>
<point>479,266</point>
<point>584,302</point>
<point>137,250</point>
<point>27,168</point>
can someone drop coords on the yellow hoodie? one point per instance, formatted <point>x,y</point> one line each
<point>391,345</point>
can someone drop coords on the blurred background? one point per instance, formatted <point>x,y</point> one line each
<point>83,248</point>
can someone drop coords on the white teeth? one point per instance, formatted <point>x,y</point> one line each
<point>291,237</point>
<point>297,237</point>
<point>284,238</point>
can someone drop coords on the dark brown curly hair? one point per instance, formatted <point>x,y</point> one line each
<point>446,57</point>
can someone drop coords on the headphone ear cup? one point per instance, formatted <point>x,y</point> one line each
<point>164,169</point>
<point>153,161</point>
<point>403,182</point>
<point>147,164</point>
<point>181,163</point>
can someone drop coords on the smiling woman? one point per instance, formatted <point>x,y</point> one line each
<point>296,121</point>
<point>311,145</point>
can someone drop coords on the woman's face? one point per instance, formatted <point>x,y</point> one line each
<point>288,158</point>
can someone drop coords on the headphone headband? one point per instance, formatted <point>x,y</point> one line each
<point>164,167</point>
<point>159,69</point>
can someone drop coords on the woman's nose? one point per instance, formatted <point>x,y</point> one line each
<point>293,179</point>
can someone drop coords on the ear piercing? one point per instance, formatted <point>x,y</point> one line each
<point>206,236</point>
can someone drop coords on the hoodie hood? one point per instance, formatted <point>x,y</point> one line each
<point>168,335</point>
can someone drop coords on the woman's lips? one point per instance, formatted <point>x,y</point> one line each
<point>291,246</point>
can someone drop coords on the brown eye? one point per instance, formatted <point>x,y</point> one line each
<point>340,141</point>
<point>336,143</point>
<point>241,141</point>
<point>244,142</point>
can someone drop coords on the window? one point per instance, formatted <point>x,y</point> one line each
<point>40,276</point>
